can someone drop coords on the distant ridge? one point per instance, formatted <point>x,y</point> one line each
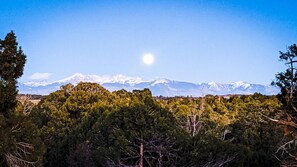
<point>159,87</point>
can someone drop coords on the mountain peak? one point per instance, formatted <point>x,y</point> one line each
<point>126,79</point>
<point>78,77</point>
<point>214,86</point>
<point>160,81</point>
<point>159,87</point>
<point>238,84</point>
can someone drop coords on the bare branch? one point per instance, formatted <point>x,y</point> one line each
<point>15,161</point>
<point>220,162</point>
<point>282,122</point>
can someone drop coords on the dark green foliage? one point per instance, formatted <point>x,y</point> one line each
<point>123,130</point>
<point>287,80</point>
<point>18,134</point>
<point>207,150</point>
<point>81,156</point>
<point>12,61</point>
<point>110,128</point>
<point>20,144</point>
<point>233,127</point>
<point>12,58</point>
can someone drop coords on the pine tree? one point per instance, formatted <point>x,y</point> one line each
<point>287,82</point>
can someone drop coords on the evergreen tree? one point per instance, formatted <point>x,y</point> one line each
<point>12,61</point>
<point>287,81</point>
<point>20,144</point>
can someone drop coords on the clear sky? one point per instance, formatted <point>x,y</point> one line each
<point>195,41</point>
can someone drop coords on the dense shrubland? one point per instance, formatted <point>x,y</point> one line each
<point>86,124</point>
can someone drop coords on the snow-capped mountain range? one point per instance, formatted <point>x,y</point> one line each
<point>159,87</point>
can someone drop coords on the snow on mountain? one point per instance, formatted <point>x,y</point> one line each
<point>214,86</point>
<point>239,84</point>
<point>159,87</point>
<point>78,77</point>
<point>124,79</point>
<point>160,81</point>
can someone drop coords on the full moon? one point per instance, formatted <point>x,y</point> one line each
<point>148,59</point>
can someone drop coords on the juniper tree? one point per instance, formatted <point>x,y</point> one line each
<point>12,61</point>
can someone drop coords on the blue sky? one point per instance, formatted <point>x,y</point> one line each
<point>194,41</point>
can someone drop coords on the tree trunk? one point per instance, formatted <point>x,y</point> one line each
<point>194,117</point>
<point>141,155</point>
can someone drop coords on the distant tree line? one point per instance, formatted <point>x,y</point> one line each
<point>86,125</point>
